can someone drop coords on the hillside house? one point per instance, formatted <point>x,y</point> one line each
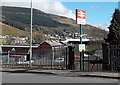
<point>48,48</point>
<point>43,49</point>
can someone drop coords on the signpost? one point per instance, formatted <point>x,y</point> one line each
<point>81,47</point>
<point>81,19</point>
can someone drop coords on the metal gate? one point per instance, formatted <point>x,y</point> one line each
<point>92,61</point>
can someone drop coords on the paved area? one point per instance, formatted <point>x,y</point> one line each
<point>8,77</point>
<point>68,73</point>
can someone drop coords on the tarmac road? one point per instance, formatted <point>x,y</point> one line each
<point>47,78</point>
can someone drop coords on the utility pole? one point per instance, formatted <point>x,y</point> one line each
<point>30,64</point>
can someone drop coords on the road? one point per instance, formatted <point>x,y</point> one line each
<point>47,78</point>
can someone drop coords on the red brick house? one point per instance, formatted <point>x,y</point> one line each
<point>46,48</point>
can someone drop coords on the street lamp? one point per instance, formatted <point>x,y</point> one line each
<point>30,64</point>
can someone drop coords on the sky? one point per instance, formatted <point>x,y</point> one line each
<point>98,14</point>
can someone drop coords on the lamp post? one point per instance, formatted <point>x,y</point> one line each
<point>30,64</point>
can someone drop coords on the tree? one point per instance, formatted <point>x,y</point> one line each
<point>114,29</point>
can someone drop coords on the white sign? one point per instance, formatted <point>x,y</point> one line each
<point>80,16</point>
<point>81,47</point>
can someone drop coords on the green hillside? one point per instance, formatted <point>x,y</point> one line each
<point>12,31</point>
<point>44,23</point>
<point>21,17</point>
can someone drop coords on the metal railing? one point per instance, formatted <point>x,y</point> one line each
<point>46,58</point>
<point>111,55</point>
<point>52,59</point>
<point>115,57</point>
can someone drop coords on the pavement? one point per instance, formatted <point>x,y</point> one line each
<point>67,73</point>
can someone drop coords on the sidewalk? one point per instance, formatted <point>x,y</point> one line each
<point>67,73</point>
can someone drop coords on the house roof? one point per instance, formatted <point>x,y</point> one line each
<point>50,42</point>
<point>84,40</point>
<point>24,46</point>
<point>53,43</point>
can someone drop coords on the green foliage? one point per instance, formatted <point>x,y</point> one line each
<point>114,29</point>
<point>15,9</point>
<point>38,38</point>
<point>2,42</point>
<point>91,48</point>
<point>12,31</point>
<point>20,18</point>
<point>16,24</point>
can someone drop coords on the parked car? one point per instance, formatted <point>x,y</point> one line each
<point>85,55</point>
<point>25,62</point>
<point>58,60</point>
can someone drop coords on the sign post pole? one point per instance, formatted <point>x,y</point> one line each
<point>80,33</point>
<point>81,19</point>
<point>81,60</point>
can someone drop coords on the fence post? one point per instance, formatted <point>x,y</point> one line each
<point>71,58</point>
<point>118,57</point>
<point>8,57</point>
<point>66,57</point>
<point>53,56</point>
<point>105,48</point>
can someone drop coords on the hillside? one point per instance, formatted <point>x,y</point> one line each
<point>12,31</point>
<point>44,23</point>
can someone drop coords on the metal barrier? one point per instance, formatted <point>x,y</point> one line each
<point>111,55</point>
<point>115,57</point>
<point>13,59</point>
<point>46,58</point>
<point>52,59</point>
<point>55,58</point>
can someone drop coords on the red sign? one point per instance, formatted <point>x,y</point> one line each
<point>80,16</point>
<point>76,56</point>
<point>17,56</point>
